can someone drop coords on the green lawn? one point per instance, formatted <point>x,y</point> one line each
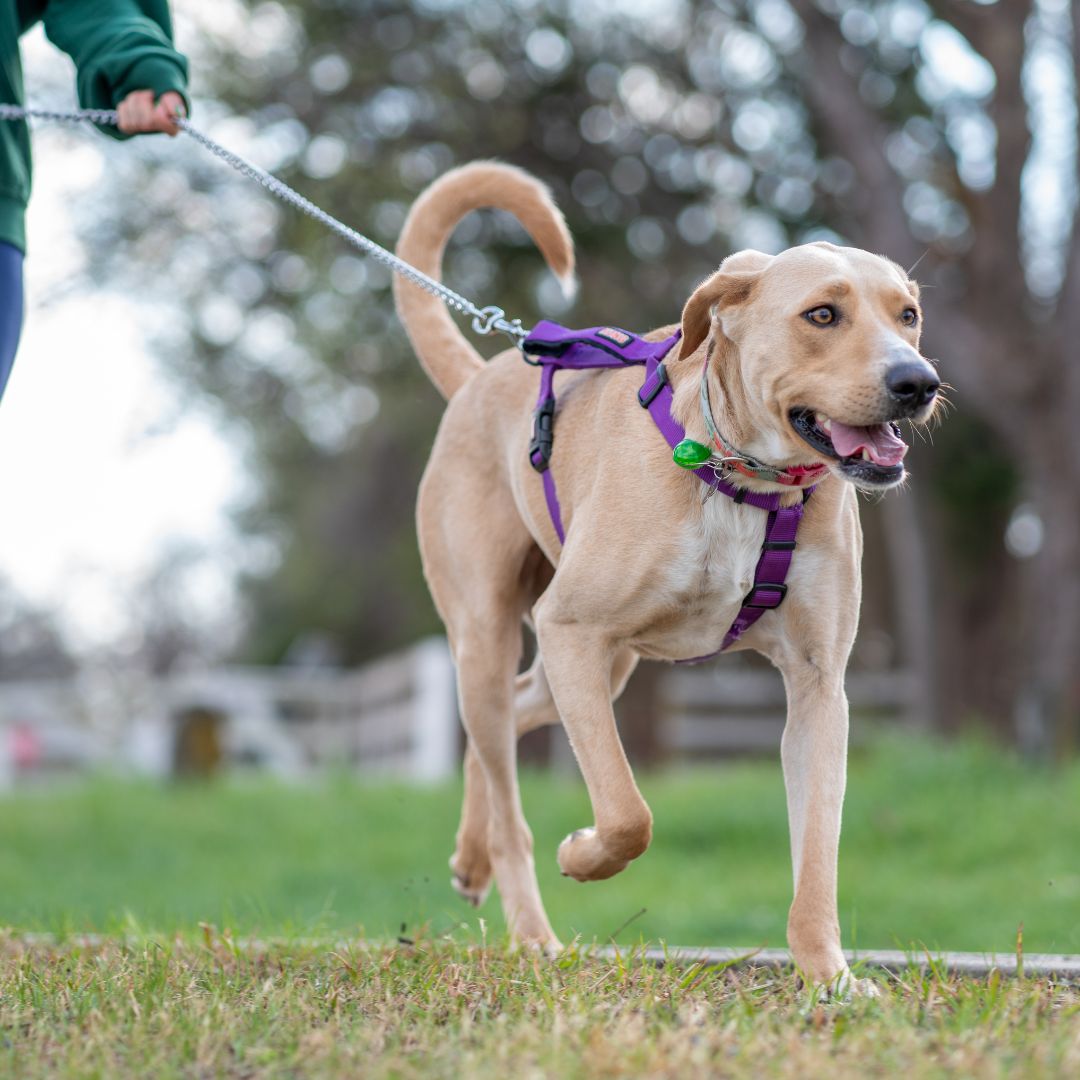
<point>167,1009</point>
<point>948,845</point>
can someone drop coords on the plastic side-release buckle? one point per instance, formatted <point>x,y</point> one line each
<point>543,435</point>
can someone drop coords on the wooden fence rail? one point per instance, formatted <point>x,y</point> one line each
<point>722,711</point>
<point>396,716</point>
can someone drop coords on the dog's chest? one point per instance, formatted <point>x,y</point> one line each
<point>709,570</point>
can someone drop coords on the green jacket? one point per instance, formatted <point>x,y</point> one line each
<point>117,45</point>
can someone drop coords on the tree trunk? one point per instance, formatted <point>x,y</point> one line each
<point>907,551</point>
<point>978,656</point>
<point>1048,627</point>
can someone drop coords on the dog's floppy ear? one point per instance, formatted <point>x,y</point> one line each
<point>722,290</point>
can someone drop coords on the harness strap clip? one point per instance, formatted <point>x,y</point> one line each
<point>543,435</point>
<point>778,590</point>
<point>652,386</point>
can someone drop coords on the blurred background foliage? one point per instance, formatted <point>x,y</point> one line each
<point>939,133</point>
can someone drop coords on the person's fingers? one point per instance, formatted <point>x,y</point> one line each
<point>166,111</point>
<point>138,113</point>
<point>135,112</point>
<point>174,102</point>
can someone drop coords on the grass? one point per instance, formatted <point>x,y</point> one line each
<point>947,845</point>
<point>187,1009</point>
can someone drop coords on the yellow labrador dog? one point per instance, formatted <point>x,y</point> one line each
<point>807,358</point>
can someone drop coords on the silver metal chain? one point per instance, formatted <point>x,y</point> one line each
<point>485,320</point>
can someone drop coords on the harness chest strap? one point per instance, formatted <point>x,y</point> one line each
<point>555,347</point>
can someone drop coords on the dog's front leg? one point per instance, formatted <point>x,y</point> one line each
<point>580,664</point>
<point>814,754</point>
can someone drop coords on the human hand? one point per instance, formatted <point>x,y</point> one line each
<point>139,114</point>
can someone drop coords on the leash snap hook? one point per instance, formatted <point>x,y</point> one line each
<point>487,319</point>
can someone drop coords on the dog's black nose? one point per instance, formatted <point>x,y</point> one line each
<point>913,383</point>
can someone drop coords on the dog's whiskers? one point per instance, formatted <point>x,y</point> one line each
<point>911,269</point>
<point>946,406</point>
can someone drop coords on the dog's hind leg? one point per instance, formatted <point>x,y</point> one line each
<point>485,685</point>
<point>534,707</point>
<point>474,572</point>
<point>579,662</point>
<point>470,865</point>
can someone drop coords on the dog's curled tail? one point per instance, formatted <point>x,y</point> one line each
<point>445,353</point>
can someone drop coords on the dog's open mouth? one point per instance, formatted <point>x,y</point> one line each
<point>868,456</point>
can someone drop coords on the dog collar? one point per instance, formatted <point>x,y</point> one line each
<point>731,458</point>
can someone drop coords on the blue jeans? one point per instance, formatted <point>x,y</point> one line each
<point>11,308</point>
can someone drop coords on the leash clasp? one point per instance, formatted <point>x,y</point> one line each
<point>488,320</point>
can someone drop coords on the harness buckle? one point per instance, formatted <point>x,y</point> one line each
<point>543,435</point>
<point>647,394</point>
<point>750,600</point>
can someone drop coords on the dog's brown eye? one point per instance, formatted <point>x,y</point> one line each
<point>821,316</point>
<point>909,316</point>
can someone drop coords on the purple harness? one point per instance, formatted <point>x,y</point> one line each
<point>553,347</point>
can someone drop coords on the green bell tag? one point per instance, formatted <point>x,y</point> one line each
<point>690,454</point>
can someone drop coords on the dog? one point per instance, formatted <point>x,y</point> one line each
<point>808,358</point>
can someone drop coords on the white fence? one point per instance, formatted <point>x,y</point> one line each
<point>722,710</point>
<point>396,716</point>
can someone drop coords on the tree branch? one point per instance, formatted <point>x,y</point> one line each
<point>996,32</point>
<point>852,129</point>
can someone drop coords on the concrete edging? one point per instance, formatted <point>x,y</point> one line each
<point>1061,966</point>
<point>1043,965</point>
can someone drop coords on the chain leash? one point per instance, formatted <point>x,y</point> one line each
<point>485,320</point>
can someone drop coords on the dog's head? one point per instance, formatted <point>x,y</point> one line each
<point>825,346</point>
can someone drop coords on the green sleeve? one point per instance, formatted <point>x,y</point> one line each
<point>118,46</point>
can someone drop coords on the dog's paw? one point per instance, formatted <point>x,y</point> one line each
<point>845,987</point>
<point>583,856</point>
<point>863,988</point>
<point>472,884</point>
<point>545,944</point>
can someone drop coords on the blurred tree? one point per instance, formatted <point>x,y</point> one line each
<point>169,627</point>
<point>32,645</point>
<point>959,121</point>
<point>671,135</point>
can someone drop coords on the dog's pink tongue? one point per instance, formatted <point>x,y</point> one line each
<point>884,445</point>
